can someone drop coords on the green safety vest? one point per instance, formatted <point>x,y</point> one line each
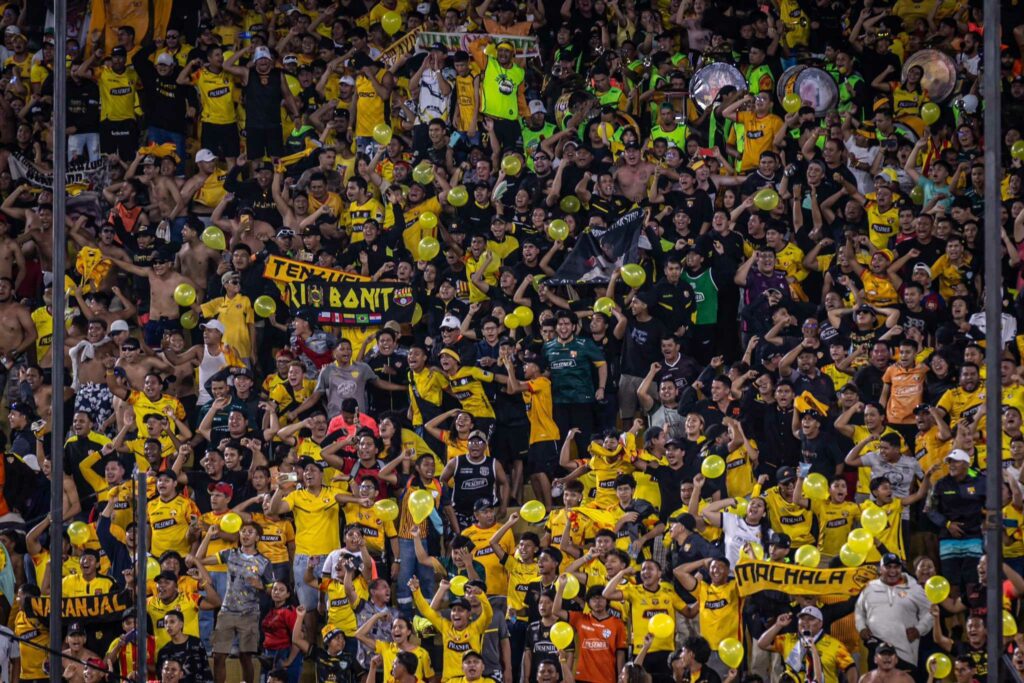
<point>847,90</point>
<point>677,136</point>
<point>500,89</point>
<point>754,77</point>
<point>705,294</point>
<point>610,97</point>
<point>532,139</point>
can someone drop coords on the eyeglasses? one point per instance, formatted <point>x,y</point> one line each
<point>129,347</point>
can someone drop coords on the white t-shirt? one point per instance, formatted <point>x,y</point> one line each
<point>901,474</point>
<point>737,534</point>
<point>8,650</point>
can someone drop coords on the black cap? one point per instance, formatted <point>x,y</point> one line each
<point>483,504</point>
<point>885,649</point>
<point>306,460</point>
<point>815,415</point>
<point>688,521</point>
<point>785,475</point>
<point>779,539</point>
<point>118,52</point>
<point>891,558</point>
<point>922,408</point>
<point>167,576</point>
<point>76,627</point>
<point>459,602</point>
<point>167,474</point>
<point>864,308</point>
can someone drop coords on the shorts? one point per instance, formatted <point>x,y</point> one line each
<point>542,458</point>
<point>221,139</point>
<point>510,443</point>
<point>260,142</point>
<point>231,625</point>
<point>96,400</point>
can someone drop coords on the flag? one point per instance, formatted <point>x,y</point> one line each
<point>599,253</point>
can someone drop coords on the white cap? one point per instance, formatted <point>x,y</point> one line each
<point>213,325</point>
<point>970,103</point>
<point>165,59</point>
<point>959,455</point>
<point>811,611</point>
<point>12,30</point>
<point>537,107</point>
<point>261,53</point>
<point>118,326</point>
<point>451,321</point>
<point>347,80</point>
<point>290,59</point>
<point>205,155</point>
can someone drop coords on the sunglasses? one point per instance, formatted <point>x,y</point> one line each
<point>234,282</point>
<point>129,347</point>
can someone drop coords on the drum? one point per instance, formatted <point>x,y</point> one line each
<point>706,83</point>
<point>817,89</point>
<point>939,77</point>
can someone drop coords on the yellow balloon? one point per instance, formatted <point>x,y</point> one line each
<point>429,248</point>
<point>189,320</point>
<point>850,557</point>
<point>757,550</point>
<point>661,626</point>
<point>458,585</point>
<point>792,102</point>
<point>386,509</point>
<point>807,556</point>
<point>382,133</point>
<point>213,237</point>
<point>874,520</point>
<point>633,275</point>
<point>230,523</point>
<point>940,665</point>
<point>524,314</point>
<point>766,199</point>
<point>741,507</point>
<point>421,504</point>
<point>860,540</point>
<point>423,173</point>
<point>1017,150</point>
<point>937,589</point>
<point>428,220</point>
<point>511,165</point>
<point>391,22</point>
<point>533,511</point>
<point>512,321</point>
<point>1009,624</point>
<point>152,568</point>
<point>604,305</point>
<point>730,651</point>
<point>572,587</point>
<point>458,196</point>
<point>917,194</point>
<point>930,112</point>
<point>815,486</point>
<point>78,533</point>
<point>558,230</point>
<point>713,467</point>
<point>264,306</point>
<point>561,635</point>
<point>570,204</point>
<point>184,294</point>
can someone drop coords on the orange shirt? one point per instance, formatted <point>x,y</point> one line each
<point>906,392</point>
<point>599,641</point>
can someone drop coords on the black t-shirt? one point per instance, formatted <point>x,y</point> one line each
<point>669,481</point>
<point>821,453</point>
<point>191,655</point>
<point>642,346</point>
<point>696,205</point>
<point>340,668</point>
<point>538,642</point>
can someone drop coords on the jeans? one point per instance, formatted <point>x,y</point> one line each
<point>308,597</point>
<point>84,145</point>
<point>409,567</point>
<point>277,659</point>
<point>207,616</point>
<point>161,135</point>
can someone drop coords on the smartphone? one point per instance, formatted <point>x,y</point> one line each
<point>288,478</point>
<point>706,152</point>
<point>454,139</point>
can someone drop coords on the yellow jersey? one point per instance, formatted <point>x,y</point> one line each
<point>790,518</point>
<point>835,522</point>
<point>495,577</point>
<point>369,107</point>
<point>520,576</point>
<point>237,316</point>
<point>581,531</point>
<point>892,535</point>
<point>389,651</point>
<point>427,385</point>
<point>186,603</point>
<point>117,94</point>
<point>358,214</point>
<point>835,658</point>
<point>316,520</point>
<point>739,474</point>
<point>456,643</point>
<point>340,613</point>
<point>168,525</point>
<point>42,319</point>
<point>719,611</point>
<point>467,386</point>
<point>375,530</point>
<point>33,652</point>
<point>540,410</point>
<point>275,537</point>
<point>219,544</point>
<point>76,586</point>
<point>882,225</point>
<point>644,604</point>
<point>216,95</point>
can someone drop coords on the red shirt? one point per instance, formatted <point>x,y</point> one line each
<point>277,628</point>
<point>599,641</point>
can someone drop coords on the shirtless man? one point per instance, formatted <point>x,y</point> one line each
<point>245,229</point>
<point>632,175</point>
<point>17,331</point>
<point>207,168</point>
<point>163,191</point>
<point>183,384</point>
<point>40,391</point>
<point>163,309</point>
<point>39,234</point>
<point>137,365</point>
<point>90,360</point>
<point>195,260</point>
<point>97,305</point>
<point>886,660</point>
<point>12,261</point>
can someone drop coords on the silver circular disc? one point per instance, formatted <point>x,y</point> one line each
<point>706,83</point>
<point>785,83</point>
<point>816,88</point>
<point>939,77</point>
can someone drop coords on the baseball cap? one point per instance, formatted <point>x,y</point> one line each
<point>165,59</point>
<point>205,155</point>
<point>459,602</point>
<point>119,52</point>
<point>228,276</point>
<point>779,539</point>
<point>167,474</point>
<point>12,30</point>
<point>537,107</point>
<point>290,59</point>
<point>221,487</point>
<point>885,649</point>
<point>922,408</point>
<point>483,504</point>
<point>785,475</point>
<point>810,611</point>
<point>118,326</point>
<point>922,266</point>
<point>959,455</point>
<point>306,461</point>
<point>891,558</point>
<point>149,160</point>
<point>166,576</point>
<point>476,434</point>
<point>261,53</point>
<point>213,325</point>
<point>451,322</point>
<point>887,174</point>
<point>347,80</point>
<point>76,627</point>
<point>330,633</point>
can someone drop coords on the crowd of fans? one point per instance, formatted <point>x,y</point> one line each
<point>546,472</point>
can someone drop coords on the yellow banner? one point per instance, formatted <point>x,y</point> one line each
<point>401,47</point>
<point>754,576</point>
<point>286,270</point>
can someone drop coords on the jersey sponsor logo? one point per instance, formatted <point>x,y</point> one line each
<point>124,90</point>
<point>716,604</point>
<point>164,523</point>
<point>648,613</point>
<point>792,520</point>
<point>835,523</point>
<point>473,484</point>
<point>218,92</point>
<point>754,134</point>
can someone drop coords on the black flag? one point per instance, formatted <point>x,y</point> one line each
<point>598,253</point>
